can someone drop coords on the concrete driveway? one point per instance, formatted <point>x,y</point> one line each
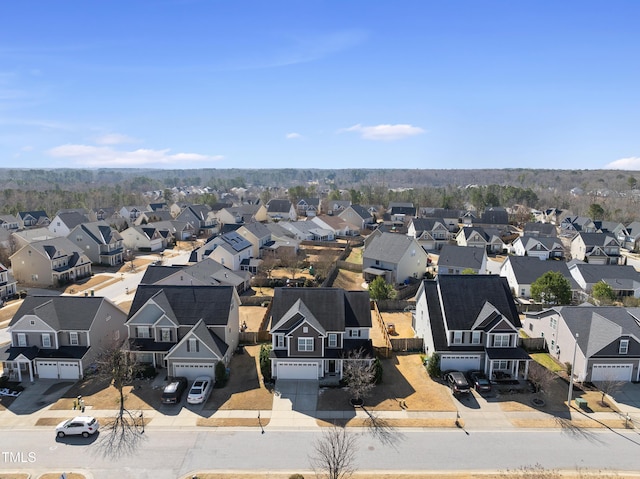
<point>628,399</point>
<point>39,395</point>
<point>294,404</point>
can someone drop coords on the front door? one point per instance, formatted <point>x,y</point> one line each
<point>332,366</point>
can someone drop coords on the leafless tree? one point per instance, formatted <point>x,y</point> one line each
<point>334,454</point>
<point>608,385</point>
<point>268,264</point>
<point>122,434</point>
<point>292,263</point>
<point>358,372</point>
<point>540,377</point>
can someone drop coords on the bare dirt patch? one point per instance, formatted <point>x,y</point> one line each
<point>56,475</point>
<point>568,424</point>
<point>244,390</point>
<point>401,321</point>
<point>252,316</point>
<point>405,385</point>
<point>95,282</point>
<point>348,280</point>
<point>389,423</point>
<point>99,394</point>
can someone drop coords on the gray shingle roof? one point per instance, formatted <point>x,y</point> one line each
<point>388,247</point>
<point>189,304</point>
<point>62,313</point>
<point>461,256</point>
<point>527,269</point>
<point>333,308</point>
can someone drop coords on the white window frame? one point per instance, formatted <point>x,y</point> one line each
<point>46,340</point>
<point>305,344</point>
<point>73,339</point>
<point>22,340</point>
<point>497,364</point>
<point>279,340</point>
<point>354,333</point>
<point>165,335</point>
<point>554,323</point>
<point>499,340</point>
<point>476,337</point>
<point>624,346</point>
<point>457,337</point>
<point>333,340</point>
<point>143,332</point>
<point>193,345</point>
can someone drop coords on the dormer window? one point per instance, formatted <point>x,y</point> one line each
<point>73,338</point>
<point>457,337</point>
<point>143,332</point>
<point>279,341</point>
<point>624,346</point>
<point>46,340</point>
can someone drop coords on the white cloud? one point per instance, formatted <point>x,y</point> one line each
<point>385,132</point>
<point>631,163</point>
<point>293,136</point>
<point>104,156</point>
<point>115,139</point>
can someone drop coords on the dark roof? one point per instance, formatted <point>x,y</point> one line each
<point>189,304</point>
<point>155,273</point>
<point>279,206</point>
<point>257,229</point>
<point>461,256</point>
<point>62,313</point>
<point>465,296</point>
<point>72,219</point>
<point>592,273</point>
<point>389,247</point>
<point>361,211</point>
<point>403,210</point>
<point>496,215</point>
<point>335,309</point>
<point>527,269</point>
<point>540,229</point>
<point>597,239</point>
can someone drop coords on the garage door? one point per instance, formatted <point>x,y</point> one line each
<point>192,371</point>
<point>69,370</point>
<point>297,370</point>
<point>460,362</point>
<point>611,372</point>
<point>47,369</point>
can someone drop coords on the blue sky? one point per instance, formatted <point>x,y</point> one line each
<point>320,84</point>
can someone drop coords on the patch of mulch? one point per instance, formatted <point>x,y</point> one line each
<point>561,423</point>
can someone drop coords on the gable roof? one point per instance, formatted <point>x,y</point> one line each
<point>72,219</point>
<point>335,309</point>
<point>361,211</point>
<point>540,229</point>
<point>62,313</point>
<point>101,232</point>
<point>610,273</point>
<point>189,304</point>
<point>389,247</point>
<point>453,255</point>
<point>257,229</point>
<point>528,269</point>
<point>279,206</point>
<point>465,296</point>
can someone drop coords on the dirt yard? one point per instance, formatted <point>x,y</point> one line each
<point>405,385</point>
<point>349,280</point>
<point>252,315</point>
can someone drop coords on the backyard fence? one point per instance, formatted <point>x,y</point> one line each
<point>407,344</point>
<point>534,344</point>
<point>254,337</point>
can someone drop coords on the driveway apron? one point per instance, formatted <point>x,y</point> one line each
<point>294,404</point>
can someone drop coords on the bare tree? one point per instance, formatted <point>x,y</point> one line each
<point>124,431</point>
<point>334,454</point>
<point>293,263</point>
<point>358,372</point>
<point>540,377</point>
<point>608,385</point>
<point>268,264</point>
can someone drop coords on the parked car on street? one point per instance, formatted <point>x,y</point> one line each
<point>80,425</point>
<point>457,382</point>
<point>172,392</point>
<point>200,390</point>
<point>479,381</point>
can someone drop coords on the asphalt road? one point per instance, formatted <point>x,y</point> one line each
<point>171,454</point>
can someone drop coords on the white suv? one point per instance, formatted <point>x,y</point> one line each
<point>84,425</point>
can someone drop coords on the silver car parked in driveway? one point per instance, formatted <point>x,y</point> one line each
<point>200,390</point>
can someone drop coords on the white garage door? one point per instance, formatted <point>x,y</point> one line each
<point>69,370</point>
<point>47,369</point>
<point>297,370</point>
<point>192,371</point>
<point>460,362</point>
<point>611,372</point>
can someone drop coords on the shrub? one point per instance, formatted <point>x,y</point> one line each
<point>296,476</point>
<point>221,374</point>
<point>265,362</point>
<point>377,371</point>
<point>147,372</point>
<point>569,368</point>
<point>433,366</point>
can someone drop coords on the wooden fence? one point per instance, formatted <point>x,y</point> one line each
<point>395,304</point>
<point>407,344</point>
<point>254,337</point>
<point>386,350</point>
<point>534,344</point>
<point>356,268</point>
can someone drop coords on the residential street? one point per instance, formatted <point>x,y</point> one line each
<point>174,453</point>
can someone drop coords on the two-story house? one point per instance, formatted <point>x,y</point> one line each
<point>313,330</point>
<point>398,258</point>
<point>472,323</point>
<point>431,233</point>
<point>601,342</point>
<point>455,259</point>
<point>32,219</point>
<point>522,271</point>
<point>9,222</point>
<point>8,285</point>
<point>201,217</point>
<point>278,209</point>
<point>100,242</point>
<point>596,248</point>
<point>308,207</point>
<point>143,238</point>
<point>541,247</point>
<point>64,222</point>
<point>358,217</point>
<point>132,212</point>
<point>53,262</point>
<point>59,337</point>
<point>478,237</point>
<point>258,235</point>
<point>185,329</point>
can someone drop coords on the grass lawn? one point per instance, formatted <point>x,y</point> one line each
<point>547,361</point>
<point>355,256</point>
<point>348,280</point>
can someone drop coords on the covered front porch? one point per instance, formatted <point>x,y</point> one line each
<point>508,363</point>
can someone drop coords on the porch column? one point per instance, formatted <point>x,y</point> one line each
<point>30,364</point>
<point>514,369</point>
<point>17,363</point>
<point>490,369</point>
<point>526,369</point>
